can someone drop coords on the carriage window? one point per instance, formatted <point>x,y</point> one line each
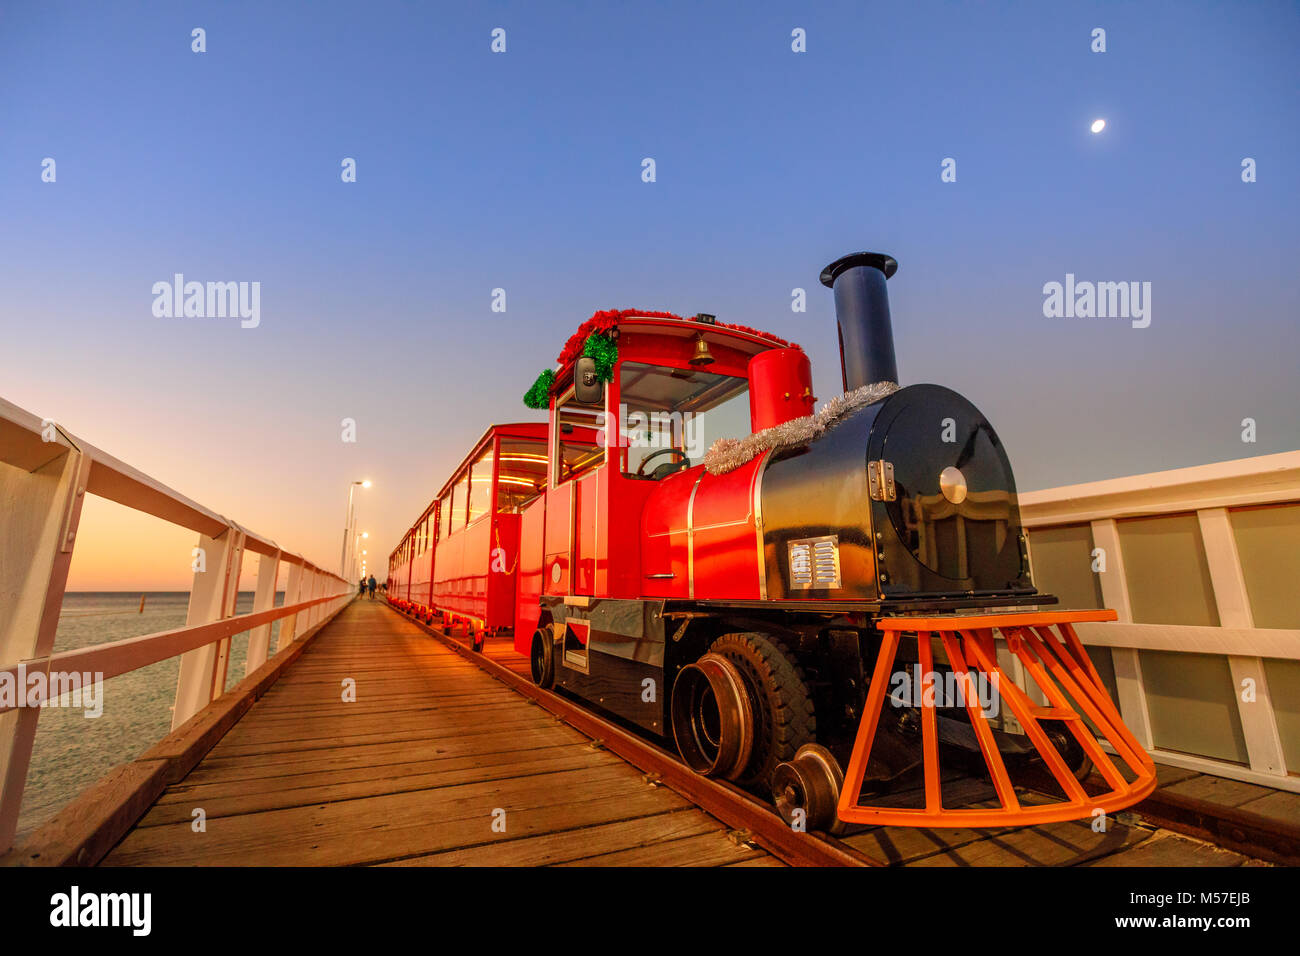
<point>444,514</point>
<point>673,415</point>
<point>480,485</point>
<point>580,442</point>
<point>522,474</point>
<point>458,494</point>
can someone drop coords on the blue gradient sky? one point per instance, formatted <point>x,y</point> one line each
<point>522,171</point>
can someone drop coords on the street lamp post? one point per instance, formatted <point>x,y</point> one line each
<point>347,528</point>
<point>357,538</point>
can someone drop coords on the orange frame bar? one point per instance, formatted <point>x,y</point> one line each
<point>1058,665</point>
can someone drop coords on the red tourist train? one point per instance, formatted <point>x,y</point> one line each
<point>833,605</point>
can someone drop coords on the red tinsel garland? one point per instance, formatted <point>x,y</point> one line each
<point>606,320</point>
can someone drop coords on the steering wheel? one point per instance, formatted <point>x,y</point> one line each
<point>682,456</point>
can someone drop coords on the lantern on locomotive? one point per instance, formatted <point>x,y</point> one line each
<point>832,609</point>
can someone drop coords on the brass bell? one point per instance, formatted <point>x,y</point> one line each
<point>702,354</point>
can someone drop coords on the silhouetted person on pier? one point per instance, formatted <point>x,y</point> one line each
<point>362,592</point>
<point>373,584</point>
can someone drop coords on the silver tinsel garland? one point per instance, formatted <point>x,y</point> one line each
<point>728,454</point>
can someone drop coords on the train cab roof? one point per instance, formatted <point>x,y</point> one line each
<point>633,328</point>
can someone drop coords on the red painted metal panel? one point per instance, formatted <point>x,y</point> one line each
<point>780,387</point>
<point>663,536</point>
<point>559,536</point>
<point>503,568</point>
<point>450,560</point>
<point>724,541</point>
<point>586,547</point>
<point>532,529</point>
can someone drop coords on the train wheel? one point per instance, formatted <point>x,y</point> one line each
<point>783,708</point>
<point>811,783</point>
<point>542,658</point>
<point>713,719</point>
<point>1069,748</point>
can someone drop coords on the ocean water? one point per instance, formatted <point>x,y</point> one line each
<point>72,750</point>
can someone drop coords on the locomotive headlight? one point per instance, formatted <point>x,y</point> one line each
<point>953,485</point>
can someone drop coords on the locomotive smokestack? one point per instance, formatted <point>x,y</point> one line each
<point>862,312</point>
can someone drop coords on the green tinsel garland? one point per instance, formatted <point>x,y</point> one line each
<point>598,346</point>
<point>539,396</point>
<point>605,351</point>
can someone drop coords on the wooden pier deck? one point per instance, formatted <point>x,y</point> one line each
<point>415,771</point>
<point>432,751</point>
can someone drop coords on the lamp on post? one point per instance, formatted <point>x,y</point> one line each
<point>356,546</point>
<point>347,528</point>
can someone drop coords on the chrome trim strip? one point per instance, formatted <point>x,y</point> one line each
<point>706,527</point>
<point>573,524</point>
<point>758,523</point>
<point>690,537</point>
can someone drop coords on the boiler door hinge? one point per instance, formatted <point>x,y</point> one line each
<point>880,480</point>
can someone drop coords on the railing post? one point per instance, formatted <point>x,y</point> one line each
<point>42,509</point>
<point>210,600</point>
<point>1128,665</point>
<point>1258,722</point>
<point>232,601</point>
<point>292,595</point>
<point>310,596</point>
<point>259,640</point>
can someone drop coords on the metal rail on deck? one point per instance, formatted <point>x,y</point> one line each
<point>50,472</point>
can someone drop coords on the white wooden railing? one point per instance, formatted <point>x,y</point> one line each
<point>1211,493</point>
<point>45,474</point>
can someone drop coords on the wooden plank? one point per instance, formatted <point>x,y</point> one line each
<point>1168,849</point>
<point>186,745</point>
<point>552,848</point>
<point>905,845</point>
<point>83,831</point>
<point>389,827</point>
<point>704,849</point>
<point>411,772</point>
<point>242,748</point>
<point>278,792</point>
<point>1053,844</point>
<point>1166,775</point>
<point>218,766</point>
<point>1218,790</point>
<point>1279,806</point>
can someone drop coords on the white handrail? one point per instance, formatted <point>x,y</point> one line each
<point>41,493</point>
<point>115,658</point>
<point>1208,492</point>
